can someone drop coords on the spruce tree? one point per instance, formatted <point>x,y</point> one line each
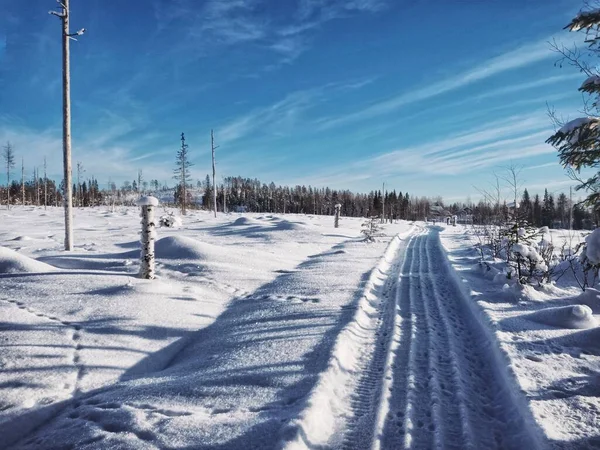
<point>182,173</point>
<point>537,211</point>
<point>562,210</point>
<point>578,141</point>
<point>526,207</point>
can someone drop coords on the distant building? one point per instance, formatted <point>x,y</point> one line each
<point>465,216</point>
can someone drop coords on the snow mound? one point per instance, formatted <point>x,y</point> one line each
<point>240,221</point>
<point>586,339</point>
<point>592,248</point>
<point>286,225</point>
<point>575,316</point>
<point>181,247</point>
<point>590,298</point>
<point>13,262</point>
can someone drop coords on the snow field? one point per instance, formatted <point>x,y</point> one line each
<point>222,349</point>
<point>555,364</point>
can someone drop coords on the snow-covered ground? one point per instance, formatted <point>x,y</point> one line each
<point>220,350</point>
<point>279,331</point>
<point>550,335</point>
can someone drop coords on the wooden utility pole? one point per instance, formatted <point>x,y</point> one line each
<point>63,15</point>
<point>212,146</point>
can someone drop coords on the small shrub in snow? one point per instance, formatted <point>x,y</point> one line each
<point>371,229</point>
<point>585,267</point>
<point>170,220</point>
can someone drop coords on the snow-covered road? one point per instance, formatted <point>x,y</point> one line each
<point>434,378</point>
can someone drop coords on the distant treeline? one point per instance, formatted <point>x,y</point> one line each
<point>252,195</point>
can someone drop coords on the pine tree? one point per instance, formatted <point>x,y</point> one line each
<point>182,174</point>
<point>578,141</point>
<point>526,207</point>
<point>578,216</point>
<point>562,210</point>
<point>207,196</point>
<point>547,209</point>
<point>537,211</point>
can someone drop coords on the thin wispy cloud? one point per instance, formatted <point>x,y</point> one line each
<point>541,166</point>
<point>529,85</point>
<point>216,23</point>
<point>520,57</point>
<point>506,139</point>
<point>282,117</point>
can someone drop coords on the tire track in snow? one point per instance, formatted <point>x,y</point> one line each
<point>349,390</point>
<point>371,387</point>
<point>455,397</point>
<point>430,378</point>
<point>489,415</point>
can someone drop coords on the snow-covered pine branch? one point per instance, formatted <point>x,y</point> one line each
<point>578,142</point>
<point>585,20</point>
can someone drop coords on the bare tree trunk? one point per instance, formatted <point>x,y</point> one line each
<point>7,185</point>
<point>383,204</point>
<point>23,180</point>
<point>68,200</point>
<point>37,186</point>
<point>212,145</point>
<point>45,184</point>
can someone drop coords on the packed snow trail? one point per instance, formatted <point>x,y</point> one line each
<point>447,389</point>
<point>435,378</point>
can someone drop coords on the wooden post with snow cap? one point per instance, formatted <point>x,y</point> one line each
<point>148,236</point>
<point>336,221</point>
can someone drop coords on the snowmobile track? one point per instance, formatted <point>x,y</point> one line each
<point>433,381</point>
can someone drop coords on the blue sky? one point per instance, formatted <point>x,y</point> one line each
<point>430,96</point>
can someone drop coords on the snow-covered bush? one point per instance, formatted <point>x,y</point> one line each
<point>588,260</point>
<point>371,229</point>
<point>170,220</point>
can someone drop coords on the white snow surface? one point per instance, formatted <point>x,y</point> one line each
<point>220,351</point>
<point>147,200</point>
<point>539,330</point>
<point>576,317</point>
<point>574,124</point>
<point>266,331</point>
<point>14,262</point>
<point>592,250</point>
